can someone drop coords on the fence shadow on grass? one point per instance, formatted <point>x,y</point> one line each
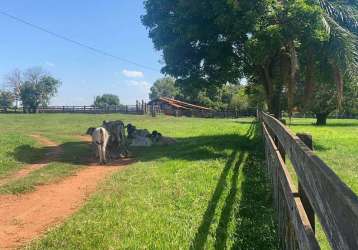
<point>247,205</point>
<point>255,216</point>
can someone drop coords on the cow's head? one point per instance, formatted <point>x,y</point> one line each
<point>90,131</point>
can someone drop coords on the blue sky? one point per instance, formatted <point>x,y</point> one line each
<point>111,25</point>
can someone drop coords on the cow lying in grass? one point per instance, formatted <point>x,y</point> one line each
<point>100,138</point>
<point>142,137</point>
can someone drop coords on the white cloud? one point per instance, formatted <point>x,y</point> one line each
<point>132,73</point>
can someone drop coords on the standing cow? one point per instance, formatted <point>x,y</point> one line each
<point>100,139</point>
<point>117,144</point>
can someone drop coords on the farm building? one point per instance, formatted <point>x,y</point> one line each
<point>175,107</point>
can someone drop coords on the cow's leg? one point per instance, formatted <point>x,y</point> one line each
<point>99,150</point>
<point>95,149</point>
<point>104,153</point>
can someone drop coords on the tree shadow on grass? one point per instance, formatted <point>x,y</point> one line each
<point>190,149</point>
<point>76,153</point>
<point>247,205</point>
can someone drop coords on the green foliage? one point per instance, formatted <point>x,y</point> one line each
<point>106,100</point>
<point>207,44</point>
<point>6,99</point>
<point>225,97</point>
<point>37,89</point>
<point>164,87</point>
<point>256,96</point>
<point>350,101</point>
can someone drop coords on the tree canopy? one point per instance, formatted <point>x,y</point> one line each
<point>37,88</point>
<point>106,100</point>
<point>163,87</point>
<point>275,44</point>
<point>6,99</point>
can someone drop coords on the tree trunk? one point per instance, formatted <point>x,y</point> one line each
<point>321,119</point>
<point>309,83</point>
<point>291,83</point>
<point>268,86</point>
<point>338,78</point>
<point>276,103</point>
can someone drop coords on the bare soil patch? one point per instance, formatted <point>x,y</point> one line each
<point>26,217</point>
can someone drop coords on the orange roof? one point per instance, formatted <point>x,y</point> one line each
<point>168,101</point>
<point>183,104</point>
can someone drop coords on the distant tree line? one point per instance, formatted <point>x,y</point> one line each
<point>225,97</point>
<point>106,100</point>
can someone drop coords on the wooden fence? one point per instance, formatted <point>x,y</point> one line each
<point>140,108</point>
<point>320,192</point>
<point>126,109</point>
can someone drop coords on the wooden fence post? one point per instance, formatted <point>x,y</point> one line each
<point>306,139</point>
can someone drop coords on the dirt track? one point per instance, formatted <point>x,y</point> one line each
<point>25,217</point>
<point>52,155</point>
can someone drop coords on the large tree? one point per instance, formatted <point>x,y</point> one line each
<point>163,87</point>
<point>37,89</point>
<point>213,42</point>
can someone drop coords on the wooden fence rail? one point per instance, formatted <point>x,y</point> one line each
<point>140,108</point>
<point>322,191</point>
<point>126,109</point>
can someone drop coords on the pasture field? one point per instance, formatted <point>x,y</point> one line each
<point>206,191</point>
<point>337,144</point>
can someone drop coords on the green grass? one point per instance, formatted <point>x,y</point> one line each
<point>337,145</point>
<point>10,142</point>
<point>207,191</point>
<point>51,173</point>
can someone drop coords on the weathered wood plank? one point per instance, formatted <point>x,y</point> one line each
<point>303,230</point>
<point>307,140</point>
<point>334,203</point>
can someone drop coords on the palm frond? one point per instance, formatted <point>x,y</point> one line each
<point>343,47</point>
<point>344,14</point>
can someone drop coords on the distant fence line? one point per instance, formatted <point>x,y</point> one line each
<point>320,192</point>
<point>77,109</point>
<point>141,108</point>
<point>332,115</point>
